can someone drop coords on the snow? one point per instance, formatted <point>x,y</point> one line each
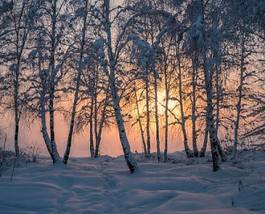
<point>105,186</point>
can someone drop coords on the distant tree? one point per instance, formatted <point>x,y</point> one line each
<point>16,23</point>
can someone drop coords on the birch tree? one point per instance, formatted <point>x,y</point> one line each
<point>53,50</point>
<point>113,48</point>
<point>208,74</point>
<point>20,17</point>
<point>78,79</point>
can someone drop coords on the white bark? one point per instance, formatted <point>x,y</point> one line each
<point>209,97</point>
<point>210,117</point>
<point>52,81</point>
<point>112,60</point>
<point>121,128</point>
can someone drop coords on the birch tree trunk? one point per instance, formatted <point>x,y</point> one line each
<point>44,131</point>
<point>139,120</point>
<point>95,114</point>
<point>91,136</point>
<point>166,114</point>
<point>210,117</point>
<point>21,35</point>
<point>209,112</point>
<point>205,141</point>
<point>76,93</point>
<point>101,125</point>
<point>218,101</point>
<point>122,133</point>
<point>112,60</point>
<point>156,115</point>
<point>212,133</point>
<point>220,150</point>
<point>16,106</point>
<point>209,97</point>
<point>218,98</point>
<point>147,104</point>
<point>52,82</point>
<point>193,114</point>
<point>43,91</point>
<point>239,101</point>
<point>182,114</point>
<point>72,121</point>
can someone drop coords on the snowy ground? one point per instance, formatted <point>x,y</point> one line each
<point>105,186</point>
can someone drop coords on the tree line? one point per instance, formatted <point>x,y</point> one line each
<point>207,56</point>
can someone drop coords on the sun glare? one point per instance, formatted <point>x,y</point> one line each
<point>172,104</point>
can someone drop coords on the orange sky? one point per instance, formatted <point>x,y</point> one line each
<point>31,135</point>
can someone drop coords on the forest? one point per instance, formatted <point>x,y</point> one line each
<point>189,72</point>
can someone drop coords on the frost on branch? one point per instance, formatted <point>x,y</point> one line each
<point>196,33</point>
<point>142,52</point>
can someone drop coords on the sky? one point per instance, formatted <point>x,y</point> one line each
<point>30,136</point>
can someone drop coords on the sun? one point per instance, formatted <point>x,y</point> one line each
<point>172,103</point>
<point>173,107</point>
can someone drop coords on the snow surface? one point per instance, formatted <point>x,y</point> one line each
<point>105,186</point>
